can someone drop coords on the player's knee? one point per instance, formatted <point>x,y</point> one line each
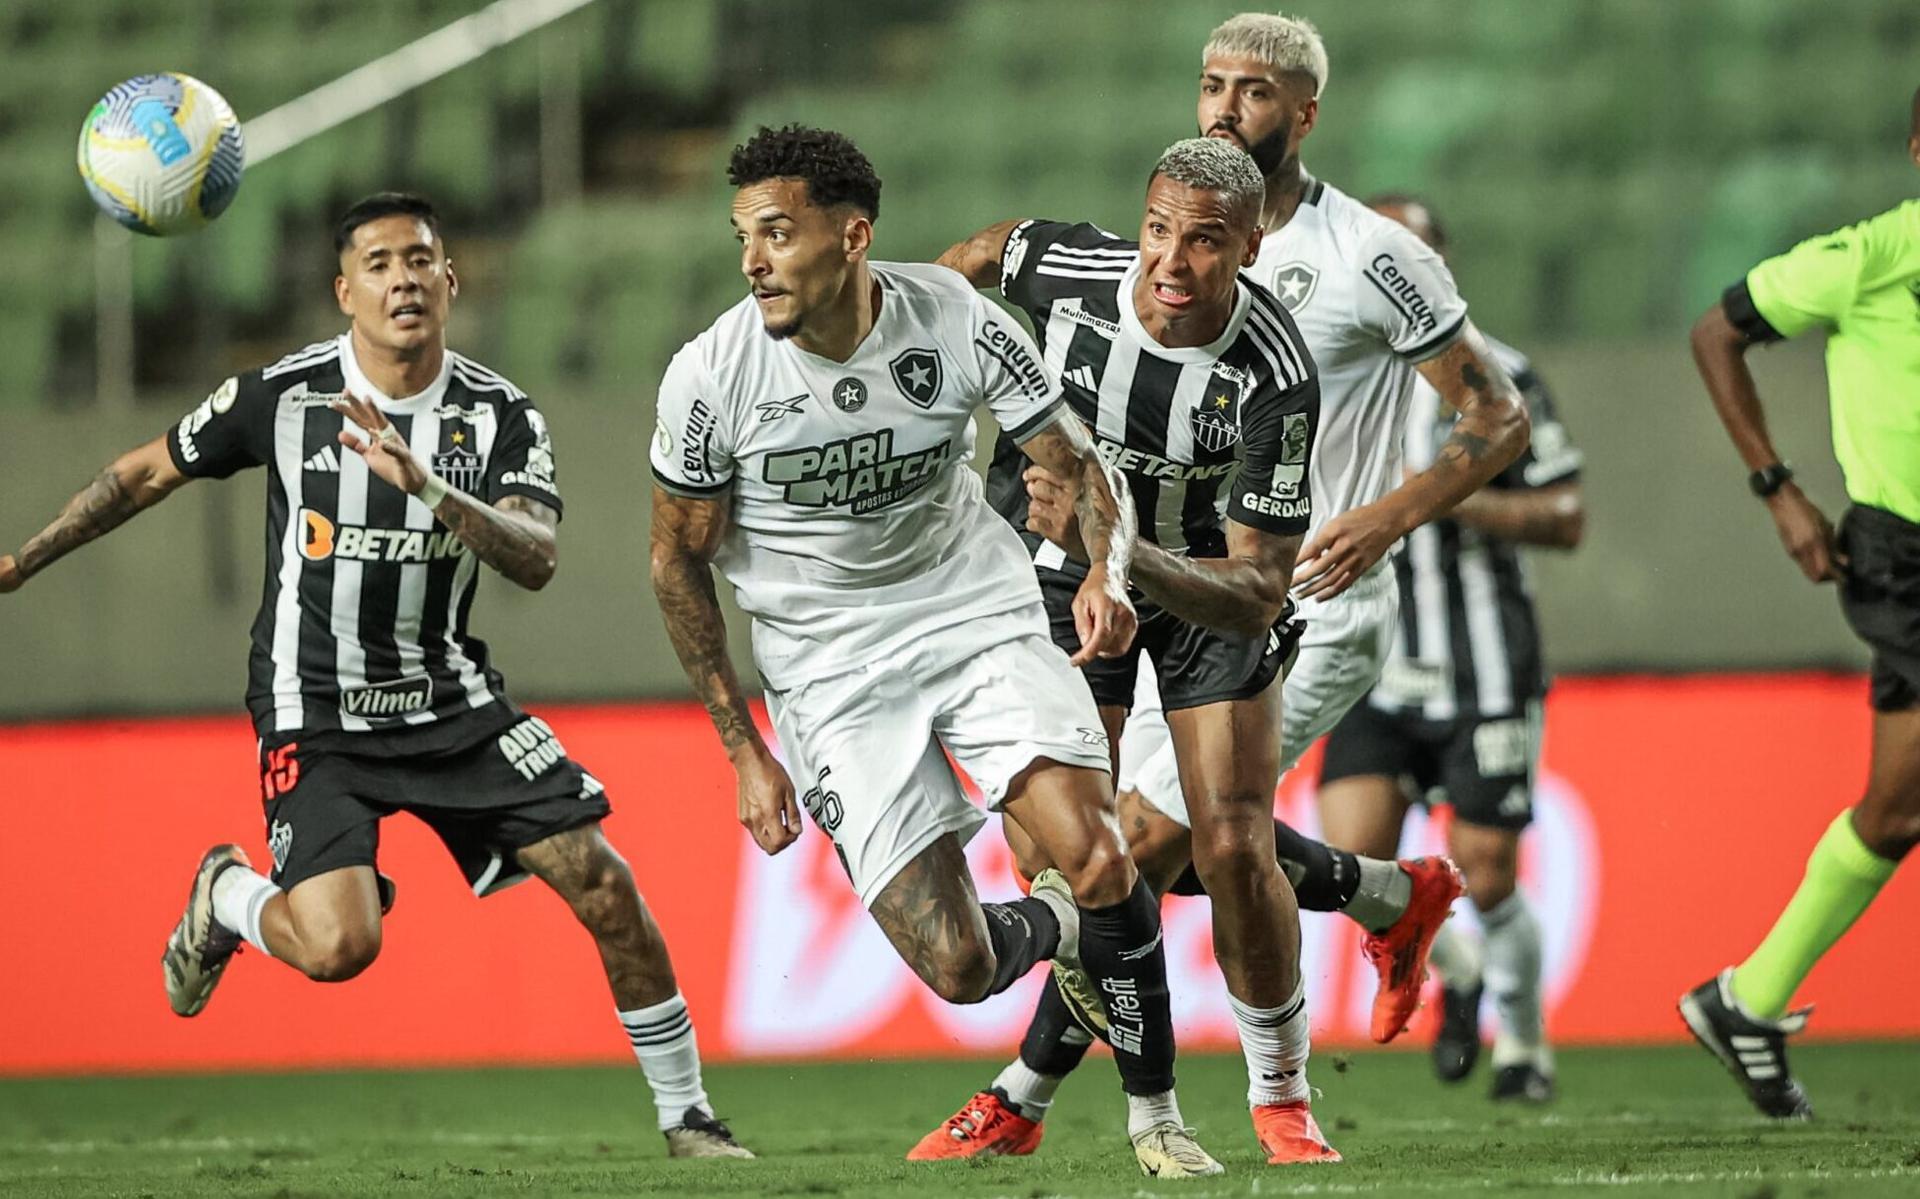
<point>965,975</point>
<point>605,898</point>
<point>1231,849</point>
<point>340,954</point>
<point>1889,829</point>
<point>1103,875</point>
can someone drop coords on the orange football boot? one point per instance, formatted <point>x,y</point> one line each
<point>1289,1135</point>
<point>986,1126</point>
<point>1400,953</point>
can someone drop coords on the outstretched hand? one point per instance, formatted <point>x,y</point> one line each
<point>385,451</point>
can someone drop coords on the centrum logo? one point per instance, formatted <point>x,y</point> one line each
<point>861,472</point>
<point>321,538</point>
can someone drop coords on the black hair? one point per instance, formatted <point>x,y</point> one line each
<point>383,204</point>
<point>1410,200</point>
<point>833,168</point>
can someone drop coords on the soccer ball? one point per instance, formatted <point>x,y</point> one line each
<point>162,154</point>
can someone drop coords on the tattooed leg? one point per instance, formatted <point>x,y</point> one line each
<point>964,949</point>
<point>594,879</point>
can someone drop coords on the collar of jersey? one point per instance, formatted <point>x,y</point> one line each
<point>889,300</point>
<point>1130,322</point>
<point>358,383</point>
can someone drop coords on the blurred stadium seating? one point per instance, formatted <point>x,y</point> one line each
<point>1605,167</point>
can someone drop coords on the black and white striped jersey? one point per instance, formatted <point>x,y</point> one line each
<point>1468,644</point>
<point>362,629</point>
<point>1179,422</point>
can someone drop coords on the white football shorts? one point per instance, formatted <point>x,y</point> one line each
<point>868,749</point>
<point>1345,646</point>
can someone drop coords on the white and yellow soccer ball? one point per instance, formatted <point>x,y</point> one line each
<point>162,154</point>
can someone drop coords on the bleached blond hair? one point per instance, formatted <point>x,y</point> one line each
<point>1216,165</point>
<point>1287,44</point>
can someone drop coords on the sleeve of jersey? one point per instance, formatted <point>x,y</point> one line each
<point>522,460</point>
<point>691,456</point>
<point>1550,457</point>
<point>1408,296</point>
<point>231,430</point>
<point>1023,398</point>
<point>1812,284</point>
<point>1271,491</point>
<point>1033,244</point>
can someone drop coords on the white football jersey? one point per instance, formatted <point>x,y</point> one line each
<point>856,524</point>
<point>1371,300</point>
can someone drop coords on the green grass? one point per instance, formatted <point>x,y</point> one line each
<point>1629,1122</point>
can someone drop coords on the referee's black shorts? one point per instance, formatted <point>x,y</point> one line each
<point>1194,665</point>
<point>1881,598</point>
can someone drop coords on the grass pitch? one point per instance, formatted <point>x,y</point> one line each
<point>1655,1121</point>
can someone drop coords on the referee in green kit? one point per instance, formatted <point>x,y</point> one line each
<point>1861,284</point>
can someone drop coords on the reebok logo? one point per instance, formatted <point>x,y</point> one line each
<point>327,461</point>
<point>1134,955</point>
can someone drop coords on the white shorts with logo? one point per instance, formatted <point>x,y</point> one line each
<point>868,749</point>
<point>1346,643</point>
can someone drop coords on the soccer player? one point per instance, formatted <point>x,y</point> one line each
<point>1456,712</point>
<point>813,445</point>
<point>1862,285</point>
<point>396,467</point>
<point>1378,308</point>
<point>1375,306</point>
<point>1198,387</point>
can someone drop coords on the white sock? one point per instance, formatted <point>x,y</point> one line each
<point>1383,894</point>
<point>239,896</point>
<point>1145,1111</point>
<point>662,1037</point>
<point>1457,956</point>
<point>1275,1041</point>
<point>1513,975</point>
<point>1030,1091</point>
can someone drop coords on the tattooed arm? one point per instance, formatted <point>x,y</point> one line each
<point>686,535</point>
<point>1106,522</point>
<point>516,536</point>
<point>1243,593</point>
<point>138,479</point>
<point>1490,434</point>
<point>978,257</point>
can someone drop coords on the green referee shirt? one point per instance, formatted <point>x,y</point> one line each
<point>1863,284</point>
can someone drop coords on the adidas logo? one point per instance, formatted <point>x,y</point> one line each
<point>327,461</point>
<point>1081,377</point>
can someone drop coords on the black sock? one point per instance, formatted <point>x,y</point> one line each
<point>1023,932</point>
<point>1324,878</point>
<point>1121,948</point>
<point>1055,1042</point>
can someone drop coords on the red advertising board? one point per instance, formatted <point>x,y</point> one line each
<point>1675,816</point>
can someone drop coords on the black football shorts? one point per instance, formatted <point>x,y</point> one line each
<point>1881,598</point>
<point>1482,767</point>
<point>1194,665</point>
<point>486,802</point>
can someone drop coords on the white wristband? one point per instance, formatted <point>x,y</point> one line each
<point>433,491</point>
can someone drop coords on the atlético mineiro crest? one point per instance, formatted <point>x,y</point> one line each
<point>1216,426</point>
<point>1294,284</point>
<point>458,458</point>
<point>917,373</point>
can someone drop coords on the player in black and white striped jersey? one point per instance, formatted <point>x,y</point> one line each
<point>1456,711</point>
<point>395,469</point>
<point>1196,385</point>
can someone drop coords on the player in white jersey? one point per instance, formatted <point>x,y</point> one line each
<point>813,446</point>
<point>1376,306</point>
